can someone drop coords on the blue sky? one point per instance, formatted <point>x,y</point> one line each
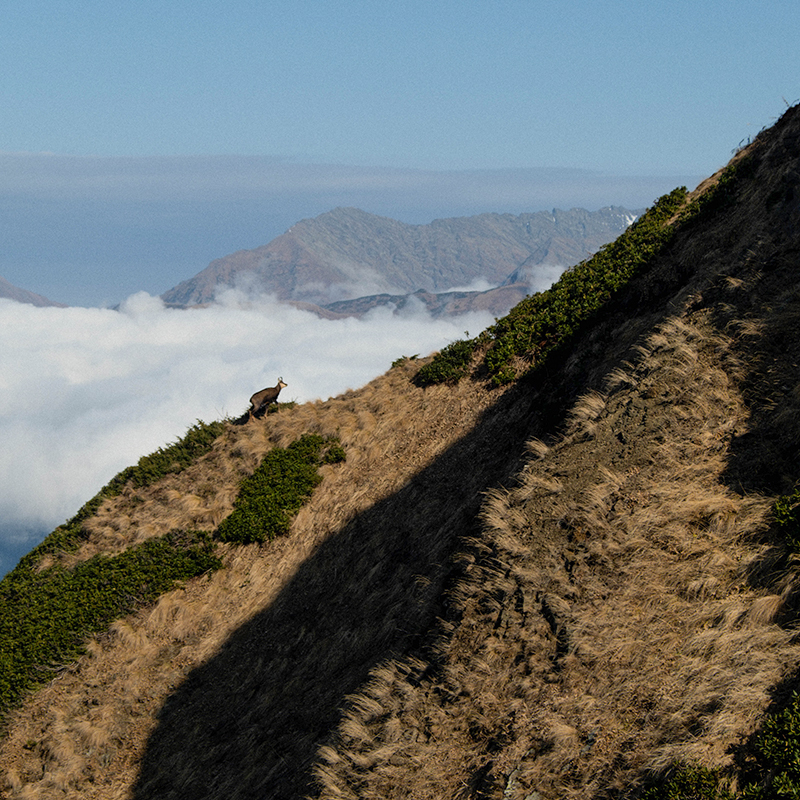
<point>608,85</point>
<point>141,140</point>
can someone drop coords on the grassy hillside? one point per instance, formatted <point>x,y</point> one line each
<point>566,569</point>
<point>60,593</point>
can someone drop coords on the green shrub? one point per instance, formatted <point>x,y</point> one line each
<point>774,771</point>
<point>724,192</point>
<point>46,616</point>
<point>274,408</point>
<point>787,516</point>
<point>688,782</point>
<point>333,453</point>
<point>449,365</point>
<point>197,441</point>
<point>777,748</point>
<point>544,321</point>
<point>278,488</point>
<point>402,360</point>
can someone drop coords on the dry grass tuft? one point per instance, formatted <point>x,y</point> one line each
<point>619,378</point>
<point>537,448</point>
<point>583,415</point>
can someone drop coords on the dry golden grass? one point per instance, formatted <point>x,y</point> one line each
<point>612,631</point>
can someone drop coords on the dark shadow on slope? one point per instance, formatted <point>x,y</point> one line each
<point>248,723</point>
<point>765,314</point>
<point>766,456</point>
<point>757,247</point>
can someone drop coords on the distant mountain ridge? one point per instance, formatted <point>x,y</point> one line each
<point>347,254</point>
<point>497,301</point>
<point>11,292</point>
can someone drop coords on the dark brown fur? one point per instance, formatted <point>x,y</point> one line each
<point>260,400</point>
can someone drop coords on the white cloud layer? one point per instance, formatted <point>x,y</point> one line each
<point>87,391</point>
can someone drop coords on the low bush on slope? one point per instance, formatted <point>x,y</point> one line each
<point>278,488</point>
<point>689,783</point>
<point>174,458</point>
<point>197,441</point>
<point>543,321</point>
<point>787,516</point>
<point>540,323</point>
<point>46,616</point>
<point>46,613</point>
<point>774,773</point>
<point>777,747</point>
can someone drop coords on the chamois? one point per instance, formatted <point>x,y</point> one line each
<point>260,400</point>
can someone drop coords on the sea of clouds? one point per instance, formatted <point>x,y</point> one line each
<point>87,391</point>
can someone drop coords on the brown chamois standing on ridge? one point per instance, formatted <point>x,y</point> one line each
<point>260,400</point>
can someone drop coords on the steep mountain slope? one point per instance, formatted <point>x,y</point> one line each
<point>557,588</point>
<point>348,253</point>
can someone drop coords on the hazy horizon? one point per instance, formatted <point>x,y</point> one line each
<point>143,141</point>
<point>92,231</point>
